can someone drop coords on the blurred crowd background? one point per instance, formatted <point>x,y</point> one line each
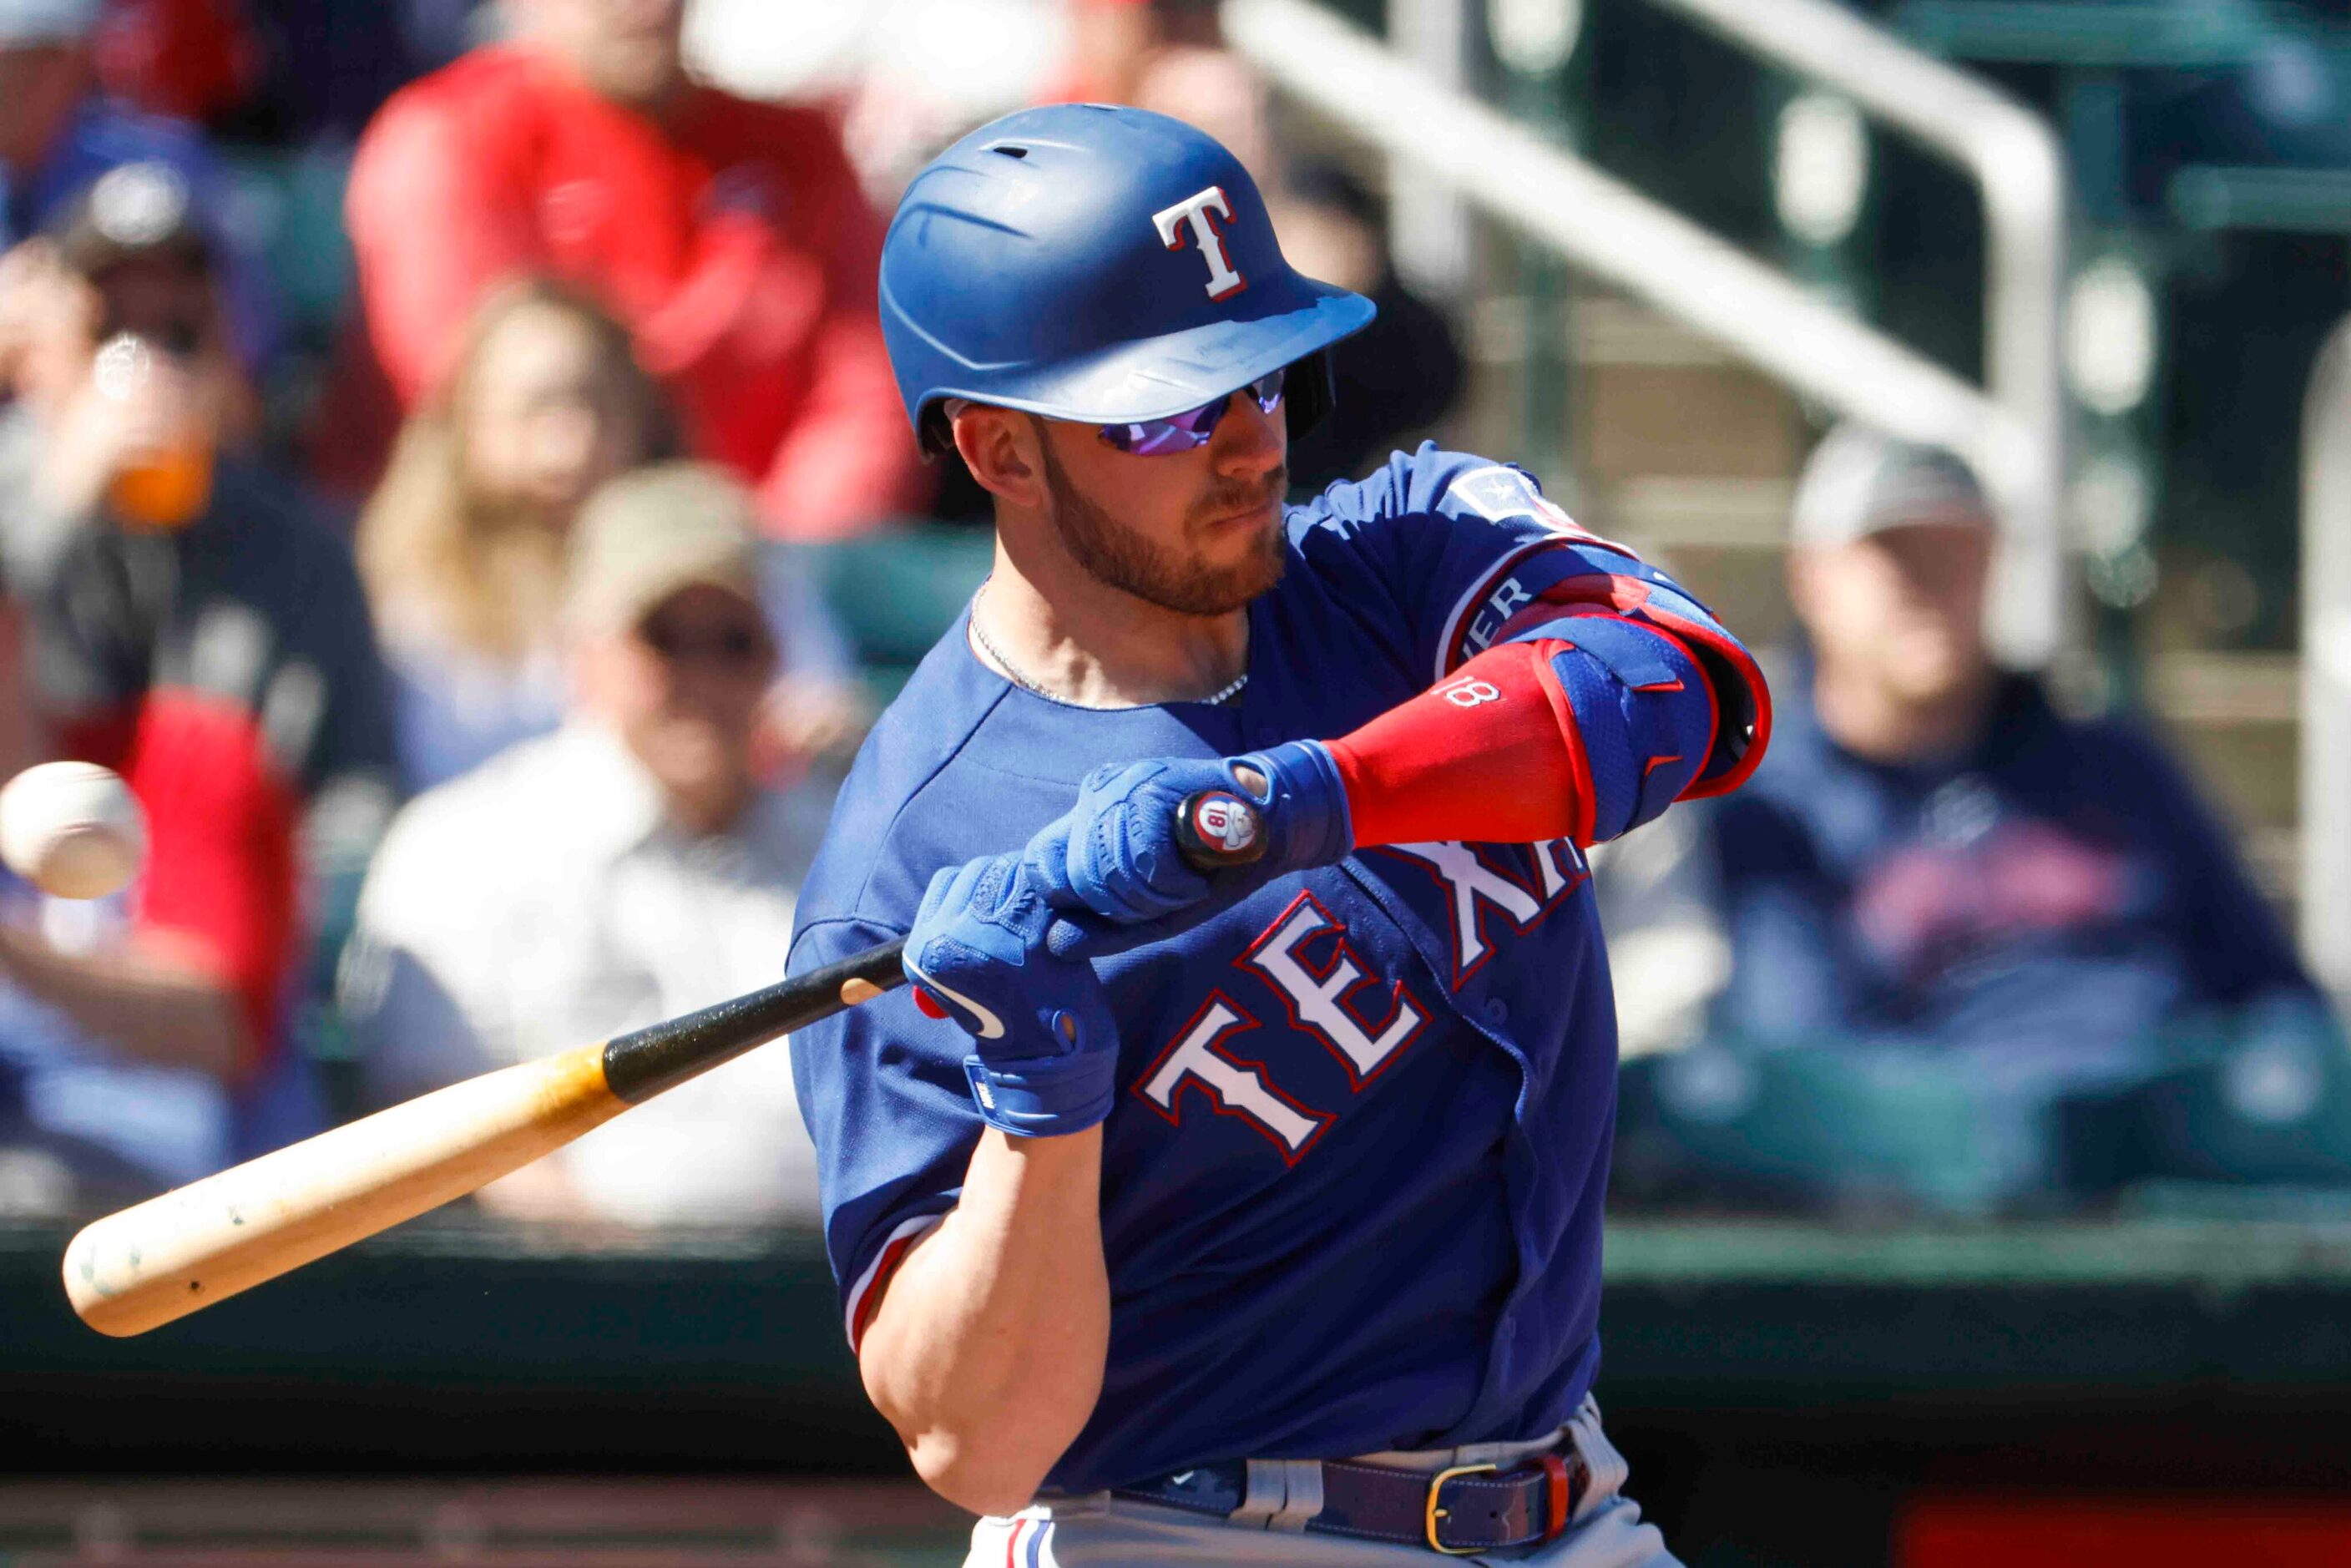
<point>448,464</point>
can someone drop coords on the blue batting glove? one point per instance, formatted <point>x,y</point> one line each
<point>1045,1054</point>
<point>1114,853</point>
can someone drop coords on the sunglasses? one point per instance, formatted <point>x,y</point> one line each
<point>736,647</point>
<point>1191,430</point>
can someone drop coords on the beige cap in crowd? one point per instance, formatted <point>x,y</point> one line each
<point>655,530</point>
<point>1861,482</point>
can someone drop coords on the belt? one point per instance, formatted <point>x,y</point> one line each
<point>1463,1509</point>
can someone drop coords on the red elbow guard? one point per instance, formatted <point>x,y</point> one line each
<point>1491,754</point>
<point>1584,735</point>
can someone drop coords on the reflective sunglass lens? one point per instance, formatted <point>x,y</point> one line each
<point>1192,428</point>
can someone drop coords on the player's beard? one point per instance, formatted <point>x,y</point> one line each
<point>1113,553</point>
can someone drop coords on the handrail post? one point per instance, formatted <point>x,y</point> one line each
<point>2016,161</point>
<point>2325,805</point>
<point>2015,431</point>
<point>1430,235</point>
<point>1612,231</point>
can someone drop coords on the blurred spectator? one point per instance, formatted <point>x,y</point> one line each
<point>329,65</point>
<point>201,630</point>
<point>463,544</point>
<point>126,265</point>
<point>277,72</point>
<point>909,76</point>
<point>623,870</point>
<point>1208,85</point>
<point>1115,47</point>
<point>1397,377</point>
<point>731,237</point>
<point>1931,850</point>
<point>104,1096</point>
<point>58,134</point>
<point>1108,41</point>
<point>1949,908</point>
<point>189,59</point>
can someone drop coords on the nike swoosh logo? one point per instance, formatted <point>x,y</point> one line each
<point>990,1026</point>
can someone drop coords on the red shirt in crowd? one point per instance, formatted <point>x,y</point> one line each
<point>228,670</point>
<point>187,59</point>
<point>732,237</point>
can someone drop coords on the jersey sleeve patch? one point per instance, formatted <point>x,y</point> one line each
<point>1500,493</point>
<point>1497,603</point>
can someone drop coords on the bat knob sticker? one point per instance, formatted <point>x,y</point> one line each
<point>1217,828</point>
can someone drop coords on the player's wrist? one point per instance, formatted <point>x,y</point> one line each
<point>1044,1096</point>
<point>1304,800</point>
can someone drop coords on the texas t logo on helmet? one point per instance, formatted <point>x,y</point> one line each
<point>1192,213</point>
<point>1100,265</point>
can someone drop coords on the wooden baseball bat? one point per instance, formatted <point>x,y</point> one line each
<point>202,1243</point>
<point>161,1260</point>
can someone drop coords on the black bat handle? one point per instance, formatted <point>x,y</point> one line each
<point>661,1056</point>
<point>1215,829</point>
<point>1218,829</point>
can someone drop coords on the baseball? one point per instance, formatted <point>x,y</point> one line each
<point>72,829</point>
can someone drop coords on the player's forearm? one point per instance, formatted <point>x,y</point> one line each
<point>147,1004</point>
<point>986,1353</point>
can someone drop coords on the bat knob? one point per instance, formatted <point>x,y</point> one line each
<point>1220,828</point>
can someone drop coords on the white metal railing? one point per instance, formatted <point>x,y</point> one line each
<point>2325,806</point>
<point>2013,430</point>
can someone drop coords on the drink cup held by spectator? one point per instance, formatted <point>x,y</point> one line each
<point>732,239</point>
<point>200,629</point>
<point>629,867</point>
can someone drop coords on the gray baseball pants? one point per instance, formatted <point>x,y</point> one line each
<point>1099,1531</point>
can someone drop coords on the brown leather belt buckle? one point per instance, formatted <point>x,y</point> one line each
<point>1437,1512</point>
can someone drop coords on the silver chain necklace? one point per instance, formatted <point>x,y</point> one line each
<point>1025,683</point>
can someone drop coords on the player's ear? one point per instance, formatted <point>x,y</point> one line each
<point>1000,446</point>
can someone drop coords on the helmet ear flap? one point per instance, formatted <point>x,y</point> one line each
<point>1308,393</point>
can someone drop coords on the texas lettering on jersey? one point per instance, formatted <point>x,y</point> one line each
<point>1330,993</point>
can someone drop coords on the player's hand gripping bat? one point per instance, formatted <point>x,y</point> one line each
<point>163,1258</point>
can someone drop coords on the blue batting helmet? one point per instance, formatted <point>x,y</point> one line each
<point>1098,264</point>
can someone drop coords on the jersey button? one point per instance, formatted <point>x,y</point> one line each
<point>1498,1011</point>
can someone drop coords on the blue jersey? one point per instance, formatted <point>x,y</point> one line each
<point>1351,1189</point>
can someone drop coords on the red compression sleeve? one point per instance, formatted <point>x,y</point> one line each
<point>1490,754</point>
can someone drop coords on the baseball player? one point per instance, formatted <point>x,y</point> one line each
<point>1252,1215</point>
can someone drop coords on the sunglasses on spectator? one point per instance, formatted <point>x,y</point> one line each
<point>737,647</point>
<point>1191,430</point>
